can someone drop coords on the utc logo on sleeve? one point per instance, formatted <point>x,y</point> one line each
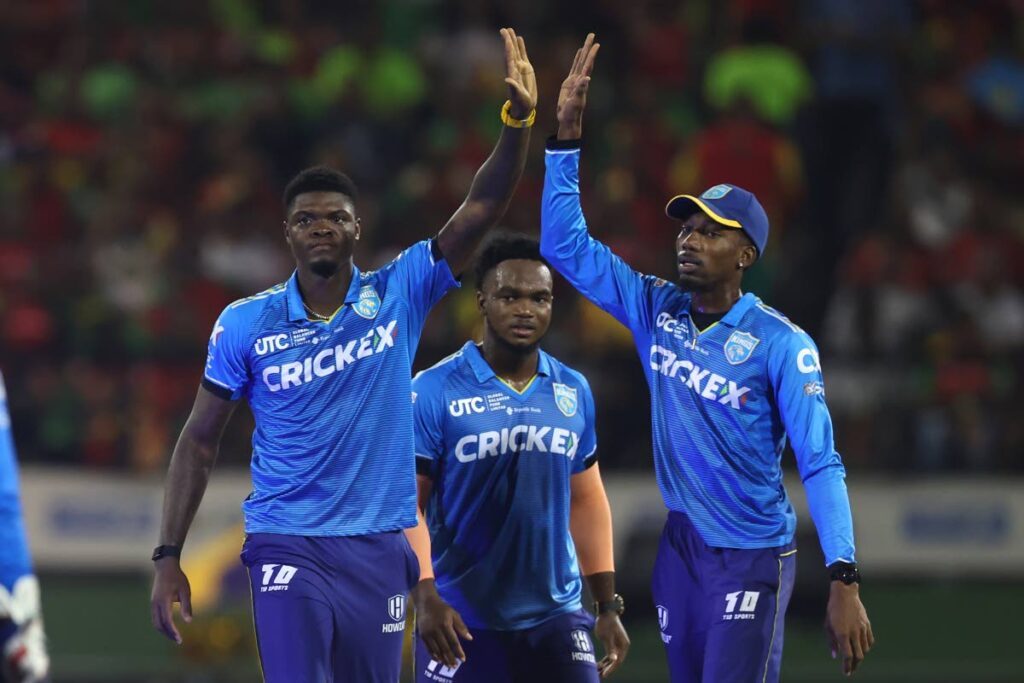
<point>565,399</point>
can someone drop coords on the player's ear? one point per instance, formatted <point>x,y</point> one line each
<point>748,255</point>
<point>481,301</point>
<point>287,237</point>
<point>359,227</point>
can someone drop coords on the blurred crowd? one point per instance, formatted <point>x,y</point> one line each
<point>144,146</point>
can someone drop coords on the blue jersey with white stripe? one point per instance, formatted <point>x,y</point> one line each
<point>723,400</point>
<point>14,557</point>
<point>501,463</point>
<point>332,452</point>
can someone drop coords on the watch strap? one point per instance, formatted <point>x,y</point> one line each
<point>162,551</point>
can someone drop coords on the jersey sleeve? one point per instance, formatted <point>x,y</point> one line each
<point>591,267</point>
<point>227,364</point>
<point>428,424</point>
<point>586,454</point>
<point>422,277</point>
<point>795,372</point>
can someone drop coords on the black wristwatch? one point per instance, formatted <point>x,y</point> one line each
<point>162,551</point>
<point>616,604</point>
<point>844,572</point>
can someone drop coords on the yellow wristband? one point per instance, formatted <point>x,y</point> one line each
<point>516,123</point>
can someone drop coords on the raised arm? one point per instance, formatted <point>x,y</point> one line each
<point>565,241</point>
<point>496,180</point>
<point>189,472</point>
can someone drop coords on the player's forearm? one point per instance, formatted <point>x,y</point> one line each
<point>590,522</point>
<point>829,504</point>
<point>488,199</point>
<point>563,228</point>
<point>419,538</point>
<point>187,477</point>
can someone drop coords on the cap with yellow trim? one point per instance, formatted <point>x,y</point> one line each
<point>727,205</point>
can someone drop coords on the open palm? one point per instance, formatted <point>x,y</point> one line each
<point>572,98</point>
<point>522,83</point>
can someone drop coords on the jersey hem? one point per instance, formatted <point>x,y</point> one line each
<point>530,623</point>
<point>319,533</point>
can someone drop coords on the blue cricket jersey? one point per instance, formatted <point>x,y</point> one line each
<point>332,451</point>
<point>14,557</point>
<point>723,400</point>
<point>501,462</point>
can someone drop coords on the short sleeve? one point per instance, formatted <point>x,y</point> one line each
<point>587,452</point>
<point>227,366</point>
<point>422,276</point>
<point>428,424</point>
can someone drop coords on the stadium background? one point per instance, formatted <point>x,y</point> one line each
<point>144,145</point>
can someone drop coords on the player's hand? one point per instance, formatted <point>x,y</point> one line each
<point>522,83</point>
<point>439,624</point>
<point>169,586</point>
<point>24,655</point>
<point>612,634</point>
<point>572,98</point>
<point>847,626</point>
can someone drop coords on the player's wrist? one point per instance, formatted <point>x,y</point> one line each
<point>515,116</point>
<point>165,552</point>
<point>573,131</point>
<point>424,591</point>
<point>844,574</point>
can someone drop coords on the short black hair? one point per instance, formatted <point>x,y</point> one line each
<point>319,179</point>
<point>505,246</point>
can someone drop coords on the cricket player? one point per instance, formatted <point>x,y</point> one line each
<point>730,379</point>
<point>506,456</point>
<point>23,657</point>
<point>325,362</point>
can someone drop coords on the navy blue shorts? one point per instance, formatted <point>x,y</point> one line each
<point>559,650</point>
<point>720,610</point>
<point>331,608</point>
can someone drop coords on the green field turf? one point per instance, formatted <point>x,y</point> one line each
<point>939,632</point>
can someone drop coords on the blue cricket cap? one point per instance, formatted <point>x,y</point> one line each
<point>726,205</point>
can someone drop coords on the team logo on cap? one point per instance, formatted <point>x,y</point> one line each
<point>565,399</point>
<point>368,304</point>
<point>716,192</point>
<point>739,347</point>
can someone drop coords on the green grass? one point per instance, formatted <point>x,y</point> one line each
<point>939,632</point>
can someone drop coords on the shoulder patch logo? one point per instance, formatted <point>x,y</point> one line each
<point>716,192</point>
<point>565,399</point>
<point>740,346</point>
<point>368,304</point>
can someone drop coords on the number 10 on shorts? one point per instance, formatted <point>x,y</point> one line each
<point>747,605</point>
<point>280,581</point>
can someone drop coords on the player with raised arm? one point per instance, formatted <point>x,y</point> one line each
<point>325,362</point>
<point>730,379</point>
<point>506,456</point>
<point>23,657</point>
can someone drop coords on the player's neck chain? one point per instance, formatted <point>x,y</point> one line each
<point>314,315</point>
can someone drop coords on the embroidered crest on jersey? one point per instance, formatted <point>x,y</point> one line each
<point>368,304</point>
<point>565,399</point>
<point>716,192</point>
<point>740,346</point>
